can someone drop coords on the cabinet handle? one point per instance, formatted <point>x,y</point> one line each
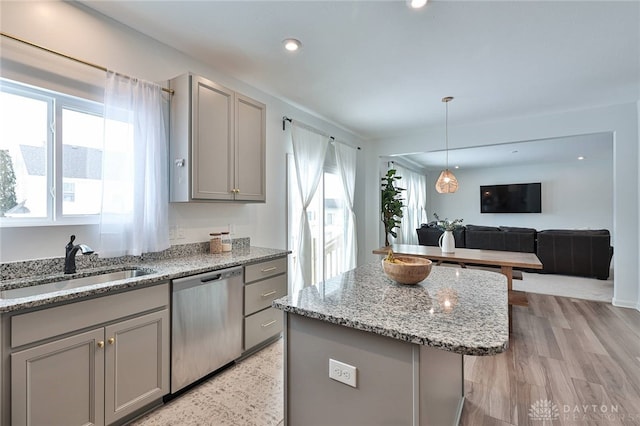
<point>273,268</point>
<point>272,292</point>
<point>268,324</point>
<point>111,340</point>
<point>101,344</point>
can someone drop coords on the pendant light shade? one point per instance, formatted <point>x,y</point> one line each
<point>447,182</point>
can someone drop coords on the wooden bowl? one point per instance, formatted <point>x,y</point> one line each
<point>412,270</point>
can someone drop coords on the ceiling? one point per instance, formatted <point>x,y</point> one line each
<point>597,147</point>
<point>378,67</point>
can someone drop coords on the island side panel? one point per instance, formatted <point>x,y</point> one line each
<point>384,392</point>
<point>441,386</point>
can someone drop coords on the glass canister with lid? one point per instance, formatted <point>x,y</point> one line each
<point>215,243</point>
<point>226,241</point>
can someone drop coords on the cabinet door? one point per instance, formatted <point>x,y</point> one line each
<point>212,141</point>
<point>250,149</point>
<point>59,383</point>
<point>136,363</point>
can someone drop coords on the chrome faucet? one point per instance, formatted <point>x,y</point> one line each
<point>70,255</point>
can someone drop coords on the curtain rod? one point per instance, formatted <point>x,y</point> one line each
<point>96,66</point>
<point>290,120</point>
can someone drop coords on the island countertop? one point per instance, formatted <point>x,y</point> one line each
<point>459,310</point>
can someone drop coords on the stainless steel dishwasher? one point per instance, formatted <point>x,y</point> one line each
<point>206,327</point>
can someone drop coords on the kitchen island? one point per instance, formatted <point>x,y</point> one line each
<point>394,351</point>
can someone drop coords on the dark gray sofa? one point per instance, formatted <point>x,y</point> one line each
<point>585,253</point>
<point>501,238</point>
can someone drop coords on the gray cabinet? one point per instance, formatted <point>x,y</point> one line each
<point>136,369</point>
<point>59,383</point>
<point>264,282</point>
<point>250,137</point>
<point>68,376</point>
<point>217,143</point>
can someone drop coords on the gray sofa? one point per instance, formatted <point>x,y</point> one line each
<point>584,253</point>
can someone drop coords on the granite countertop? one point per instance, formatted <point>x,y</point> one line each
<point>458,310</point>
<point>161,270</point>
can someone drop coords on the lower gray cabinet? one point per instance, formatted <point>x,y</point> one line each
<point>264,282</point>
<point>116,364</point>
<point>93,378</point>
<point>136,357</point>
<point>261,326</point>
<point>59,383</point>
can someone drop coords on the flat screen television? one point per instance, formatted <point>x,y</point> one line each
<point>513,198</point>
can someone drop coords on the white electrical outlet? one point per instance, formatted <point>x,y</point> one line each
<point>342,372</point>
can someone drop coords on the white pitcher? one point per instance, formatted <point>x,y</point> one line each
<point>447,242</point>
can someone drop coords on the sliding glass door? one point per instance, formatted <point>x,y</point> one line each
<point>327,214</point>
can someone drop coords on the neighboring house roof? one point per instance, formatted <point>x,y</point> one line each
<point>79,162</point>
<point>19,208</point>
<point>331,204</point>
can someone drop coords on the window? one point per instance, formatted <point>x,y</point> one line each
<point>50,156</point>
<point>414,211</point>
<point>69,192</point>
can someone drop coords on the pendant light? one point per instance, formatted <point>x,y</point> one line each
<point>447,182</point>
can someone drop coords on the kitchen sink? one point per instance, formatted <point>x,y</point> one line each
<point>65,284</point>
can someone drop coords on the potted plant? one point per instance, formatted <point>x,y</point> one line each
<point>391,204</point>
<point>447,242</point>
<point>446,224</point>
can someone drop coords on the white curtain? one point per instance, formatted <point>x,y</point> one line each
<point>415,201</point>
<point>309,150</point>
<point>346,160</point>
<point>134,217</point>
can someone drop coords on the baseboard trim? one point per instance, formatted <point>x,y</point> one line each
<point>626,303</point>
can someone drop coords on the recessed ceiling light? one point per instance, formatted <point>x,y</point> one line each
<point>417,4</point>
<point>291,44</point>
<point>456,167</point>
<point>581,158</point>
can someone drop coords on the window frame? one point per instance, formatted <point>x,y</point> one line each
<point>56,103</point>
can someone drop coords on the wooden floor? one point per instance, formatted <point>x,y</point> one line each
<point>570,362</point>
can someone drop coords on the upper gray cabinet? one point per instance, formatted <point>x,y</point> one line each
<point>217,143</point>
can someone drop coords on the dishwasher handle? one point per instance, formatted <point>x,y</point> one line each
<point>207,278</point>
<point>213,278</point>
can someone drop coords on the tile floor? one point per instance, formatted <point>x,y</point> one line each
<point>249,393</point>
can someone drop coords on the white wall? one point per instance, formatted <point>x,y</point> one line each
<point>621,120</point>
<point>575,195</point>
<point>80,32</point>
<point>638,260</point>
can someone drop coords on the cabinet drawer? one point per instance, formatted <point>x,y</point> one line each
<point>261,326</point>
<point>263,270</point>
<point>50,322</point>
<point>259,295</point>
